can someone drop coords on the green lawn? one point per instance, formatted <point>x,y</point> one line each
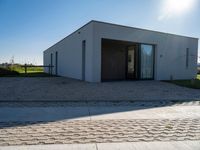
<point>18,71</point>
<point>188,83</point>
<point>198,76</point>
<point>29,69</point>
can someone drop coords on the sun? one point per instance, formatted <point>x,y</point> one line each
<point>175,8</point>
<point>179,6</point>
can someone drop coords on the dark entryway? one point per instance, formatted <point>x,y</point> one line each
<point>122,60</point>
<point>118,60</point>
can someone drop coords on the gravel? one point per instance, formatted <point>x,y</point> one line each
<point>66,89</point>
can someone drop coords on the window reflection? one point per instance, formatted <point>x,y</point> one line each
<point>146,61</point>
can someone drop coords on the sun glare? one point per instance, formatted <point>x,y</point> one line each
<point>176,7</point>
<point>179,6</point>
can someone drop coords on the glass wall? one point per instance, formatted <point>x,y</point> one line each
<point>147,61</point>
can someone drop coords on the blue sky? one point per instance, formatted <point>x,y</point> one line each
<point>28,27</point>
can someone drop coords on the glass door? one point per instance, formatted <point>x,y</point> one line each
<point>131,62</point>
<point>146,61</point>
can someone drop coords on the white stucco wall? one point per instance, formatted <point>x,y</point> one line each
<point>170,53</point>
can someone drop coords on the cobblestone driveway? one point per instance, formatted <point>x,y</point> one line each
<point>93,129</point>
<point>99,131</point>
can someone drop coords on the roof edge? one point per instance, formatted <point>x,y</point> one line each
<point>119,26</point>
<point>142,29</point>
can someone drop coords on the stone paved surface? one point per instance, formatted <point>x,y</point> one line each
<point>143,104</point>
<point>66,89</point>
<point>171,145</point>
<point>97,128</point>
<point>98,131</point>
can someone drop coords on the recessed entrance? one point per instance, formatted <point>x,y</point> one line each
<point>122,60</point>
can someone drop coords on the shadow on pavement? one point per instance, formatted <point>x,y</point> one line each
<point>16,114</point>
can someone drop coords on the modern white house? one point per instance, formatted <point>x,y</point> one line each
<point>100,51</point>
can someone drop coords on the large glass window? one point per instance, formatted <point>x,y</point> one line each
<point>147,61</point>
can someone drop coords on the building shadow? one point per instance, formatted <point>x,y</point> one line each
<point>31,113</point>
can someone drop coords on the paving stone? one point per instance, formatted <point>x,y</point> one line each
<point>98,131</point>
<point>147,104</point>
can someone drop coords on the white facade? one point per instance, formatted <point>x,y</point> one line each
<point>169,61</point>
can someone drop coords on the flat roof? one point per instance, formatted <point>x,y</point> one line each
<point>96,21</point>
<point>141,29</point>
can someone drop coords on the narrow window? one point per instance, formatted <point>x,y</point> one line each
<point>51,59</point>
<point>83,59</point>
<point>187,57</point>
<point>51,71</point>
<point>56,63</point>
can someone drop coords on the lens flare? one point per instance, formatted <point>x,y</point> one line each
<point>179,6</point>
<point>176,7</point>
